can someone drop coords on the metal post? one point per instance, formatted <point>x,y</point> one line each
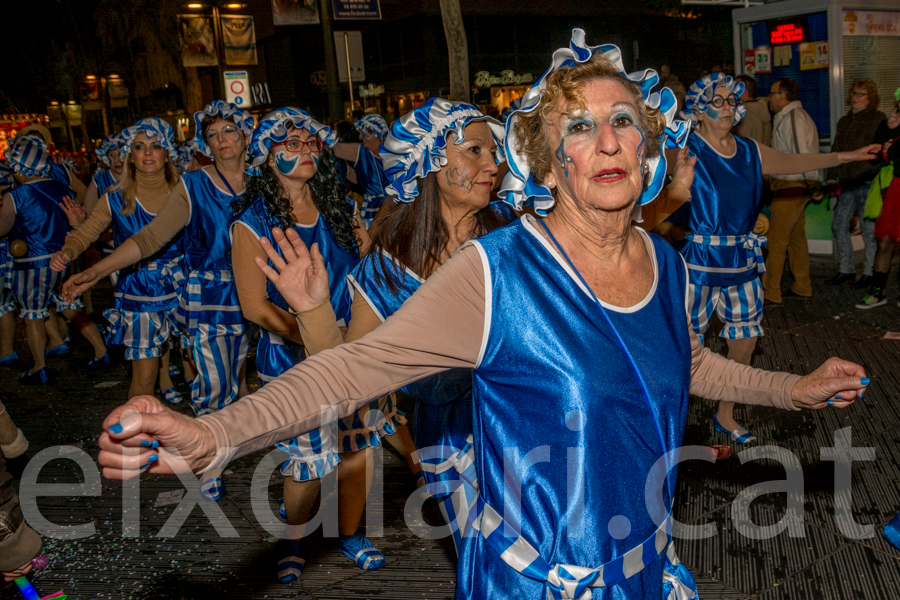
<point>349,70</point>
<point>332,85</point>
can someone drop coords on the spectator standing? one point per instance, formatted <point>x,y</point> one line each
<point>793,132</point>
<point>757,123</point>
<point>856,128</point>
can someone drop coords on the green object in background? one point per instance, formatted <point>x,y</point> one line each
<point>818,220</point>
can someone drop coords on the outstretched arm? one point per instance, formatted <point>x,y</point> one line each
<point>779,163</point>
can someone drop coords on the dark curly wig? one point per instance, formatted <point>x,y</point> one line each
<point>329,195</point>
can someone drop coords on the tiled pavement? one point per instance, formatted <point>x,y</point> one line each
<point>197,563</point>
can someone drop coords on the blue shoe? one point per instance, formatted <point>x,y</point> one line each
<point>359,549</point>
<point>290,561</point>
<point>213,489</point>
<point>67,339</point>
<point>174,371</point>
<point>36,378</point>
<point>739,435</point>
<point>281,511</point>
<point>57,350</point>
<point>172,396</point>
<point>99,363</point>
<point>892,531</point>
<point>10,359</point>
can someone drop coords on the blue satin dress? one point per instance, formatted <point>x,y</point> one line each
<point>103,180</point>
<point>371,178</point>
<point>146,295</point>
<point>568,402</point>
<point>443,417</point>
<point>314,454</point>
<point>726,199</point>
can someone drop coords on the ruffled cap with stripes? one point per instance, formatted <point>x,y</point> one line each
<point>28,155</point>
<point>152,128</point>
<point>374,123</point>
<point>274,129</point>
<point>110,144</point>
<point>704,89</point>
<point>519,187</point>
<point>417,144</point>
<point>243,120</point>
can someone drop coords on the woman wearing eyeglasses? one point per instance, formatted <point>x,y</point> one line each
<point>294,186</point>
<point>723,255</point>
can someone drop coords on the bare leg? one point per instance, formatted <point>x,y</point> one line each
<point>165,382</point>
<point>187,365</point>
<point>740,351</point>
<point>143,376</point>
<point>7,333</point>
<point>299,498</point>
<point>242,381</point>
<point>403,443</point>
<point>36,335</point>
<point>52,326</point>
<point>88,329</point>
<point>354,481</point>
<point>884,255</point>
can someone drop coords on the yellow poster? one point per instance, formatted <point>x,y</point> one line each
<point>813,55</point>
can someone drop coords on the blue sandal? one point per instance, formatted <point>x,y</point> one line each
<point>57,350</point>
<point>172,396</point>
<point>740,435</point>
<point>359,549</point>
<point>290,561</point>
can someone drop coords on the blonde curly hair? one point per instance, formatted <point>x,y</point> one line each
<point>563,92</point>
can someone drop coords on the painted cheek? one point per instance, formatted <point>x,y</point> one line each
<point>285,165</point>
<point>713,113</point>
<point>562,157</point>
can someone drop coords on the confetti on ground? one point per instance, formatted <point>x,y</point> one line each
<point>107,384</point>
<point>167,498</point>
<point>892,335</point>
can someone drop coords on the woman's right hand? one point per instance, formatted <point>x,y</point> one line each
<point>78,283</point>
<point>303,280</point>
<point>59,261</point>
<point>75,213</point>
<point>143,428</point>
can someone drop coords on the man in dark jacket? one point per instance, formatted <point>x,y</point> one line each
<point>855,129</point>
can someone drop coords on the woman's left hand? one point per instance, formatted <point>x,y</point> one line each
<point>837,381</point>
<point>865,153</point>
<point>684,167</point>
<point>75,213</point>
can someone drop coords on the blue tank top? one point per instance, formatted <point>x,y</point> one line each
<point>338,261</point>
<point>725,201</point>
<point>61,174</point>
<point>553,381</point>
<point>206,239</point>
<point>443,417</point>
<point>103,180</point>
<point>40,222</point>
<point>126,226</point>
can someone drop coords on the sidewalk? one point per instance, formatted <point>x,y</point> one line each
<point>197,563</point>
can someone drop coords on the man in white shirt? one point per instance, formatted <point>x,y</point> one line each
<point>793,132</point>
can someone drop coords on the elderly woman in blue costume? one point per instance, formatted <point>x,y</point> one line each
<point>367,168</point>
<point>442,161</point>
<point>723,255</point>
<point>295,186</point>
<point>30,213</point>
<point>146,296</point>
<point>576,330</point>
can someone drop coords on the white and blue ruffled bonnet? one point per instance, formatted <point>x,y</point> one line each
<point>273,129</point>
<point>243,120</point>
<point>519,187</point>
<point>28,155</point>
<point>374,123</point>
<point>704,89</point>
<point>152,128</point>
<point>110,143</point>
<point>417,143</point>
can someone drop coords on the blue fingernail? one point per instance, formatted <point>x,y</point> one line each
<point>861,394</point>
<point>153,458</point>
<point>145,467</point>
<point>830,403</point>
<point>148,444</point>
<point>864,381</point>
<point>117,428</point>
<point>836,397</point>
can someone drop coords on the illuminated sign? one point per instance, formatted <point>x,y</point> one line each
<point>791,32</point>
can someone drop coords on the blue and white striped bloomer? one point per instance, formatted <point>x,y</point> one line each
<point>561,582</point>
<point>28,155</point>
<point>243,120</point>
<point>519,187</point>
<point>152,128</point>
<point>143,334</point>
<point>703,90</point>
<point>751,241</point>
<point>417,143</point>
<point>739,307</point>
<point>273,129</point>
<point>372,123</point>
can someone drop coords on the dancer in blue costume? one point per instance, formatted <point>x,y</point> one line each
<point>367,165</point>
<point>209,309</point>
<point>723,255</point>
<point>110,155</point>
<point>295,186</point>
<point>31,213</point>
<point>433,217</point>
<point>57,171</point>
<point>143,319</point>
<point>583,357</point>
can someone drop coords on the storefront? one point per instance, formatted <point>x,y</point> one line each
<point>493,92</point>
<point>823,45</point>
